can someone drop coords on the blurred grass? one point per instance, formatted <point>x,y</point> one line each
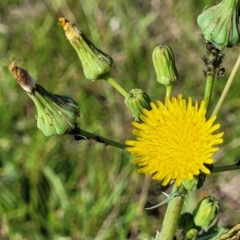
<point>57,188</point>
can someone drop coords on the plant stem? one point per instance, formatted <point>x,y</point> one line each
<point>227,86</point>
<point>172,215</point>
<point>208,89</point>
<point>169,89</point>
<point>87,135</point>
<point>226,168</point>
<point>114,84</point>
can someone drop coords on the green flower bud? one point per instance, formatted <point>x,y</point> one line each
<point>219,24</point>
<point>164,64</point>
<point>56,114</point>
<point>206,211</point>
<point>186,221</point>
<point>135,101</point>
<point>191,234</point>
<point>95,63</point>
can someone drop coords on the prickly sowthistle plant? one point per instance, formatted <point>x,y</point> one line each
<point>175,139</point>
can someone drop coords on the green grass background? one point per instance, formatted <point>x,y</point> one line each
<point>58,188</point>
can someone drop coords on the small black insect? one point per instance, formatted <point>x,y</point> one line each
<point>205,60</point>
<point>221,72</point>
<point>204,73</point>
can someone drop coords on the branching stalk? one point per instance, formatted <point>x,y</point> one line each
<point>114,84</point>
<point>226,168</point>
<point>172,215</point>
<point>80,134</point>
<point>208,89</point>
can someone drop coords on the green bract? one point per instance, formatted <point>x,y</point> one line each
<point>135,101</point>
<point>56,114</point>
<point>164,64</point>
<point>95,62</point>
<point>197,181</point>
<point>190,185</point>
<point>219,24</point>
<point>206,211</point>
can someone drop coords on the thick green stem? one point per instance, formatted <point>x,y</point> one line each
<point>114,84</point>
<point>227,86</point>
<point>208,89</point>
<point>172,215</point>
<point>100,139</point>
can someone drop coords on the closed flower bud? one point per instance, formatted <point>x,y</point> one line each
<point>206,211</point>
<point>135,101</point>
<point>56,114</point>
<point>186,221</point>
<point>95,63</point>
<point>164,64</point>
<point>191,234</point>
<point>219,24</point>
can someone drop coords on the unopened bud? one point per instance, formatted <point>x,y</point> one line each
<point>164,64</point>
<point>191,234</point>
<point>220,23</point>
<point>135,101</point>
<point>56,114</point>
<point>95,62</point>
<point>206,211</point>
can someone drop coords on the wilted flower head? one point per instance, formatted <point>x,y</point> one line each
<point>56,114</point>
<point>23,78</point>
<point>174,142</point>
<point>220,24</point>
<point>95,62</point>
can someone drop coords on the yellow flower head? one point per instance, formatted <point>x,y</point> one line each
<point>174,141</point>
